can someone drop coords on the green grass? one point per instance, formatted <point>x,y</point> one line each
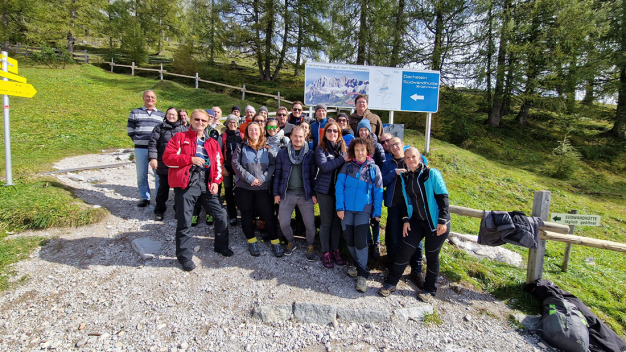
<point>84,109</point>
<point>12,251</point>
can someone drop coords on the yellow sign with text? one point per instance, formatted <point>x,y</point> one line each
<point>17,89</point>
<point>12,64</point>
<point>13,77</point>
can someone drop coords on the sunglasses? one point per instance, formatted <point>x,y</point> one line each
<point>332,131</point>
<point>342,120</point>
<point>384,142</point>
<point>296,109</point>
<point>272,127</point>
<point>281,114</point>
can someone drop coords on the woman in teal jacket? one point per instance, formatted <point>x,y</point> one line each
<point>359,198</point>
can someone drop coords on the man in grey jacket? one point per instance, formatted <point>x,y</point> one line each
<point>141,122</point>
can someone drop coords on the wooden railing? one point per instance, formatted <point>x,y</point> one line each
<point>549,231</point>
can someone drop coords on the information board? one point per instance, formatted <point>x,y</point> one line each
<point>388,88</point>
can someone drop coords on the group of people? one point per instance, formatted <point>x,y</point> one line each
<point>272,166</point>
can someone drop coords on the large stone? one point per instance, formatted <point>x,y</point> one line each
<point>315,313</point>
<point>363,315</point>
<point>273,314</point>
<point>414,313</point>
<point>530,322</point>
<point>146,247</point>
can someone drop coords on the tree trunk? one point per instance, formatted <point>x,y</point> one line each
<point>496,111</point>
<point>532,71</point>
<point>70,35</point>
<point>283,50</point>
<point>508,85</point>
<point>589,87</point>
<point>212,34</point>
<point>437,49</point>
<point>296,71</point>
<point>490,51</point>
<point>397,35</point>
<point>619,126</point>
<point>257,40</point>
<point>362,39</point>
<point>570,85</point>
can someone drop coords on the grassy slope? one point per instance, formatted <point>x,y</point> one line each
<point>83,109</point>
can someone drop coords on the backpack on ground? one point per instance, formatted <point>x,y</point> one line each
<point>563,326</point>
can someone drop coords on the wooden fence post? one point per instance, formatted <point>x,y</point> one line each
<point>541,208</point>
<point>17,48</point>
<point>111,64</point>
<point>568,246</point>
<point>243,93</point>
<point>196,80</point>
<point>278,99</point>
<point>161,72</point>
<point>86,57</point>
<point>132,69</point>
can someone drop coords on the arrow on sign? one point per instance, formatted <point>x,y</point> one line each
<point>17,89</point>
<point>12,77</point>
<point>417,97</point>
<point>556,218</point>
<point>12,63</point>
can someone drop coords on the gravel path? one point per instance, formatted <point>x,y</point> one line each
<point>88,289</point>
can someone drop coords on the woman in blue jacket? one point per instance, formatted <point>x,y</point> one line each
<point>359,198</point>
<point>425,214</point>
<point>330,155</point>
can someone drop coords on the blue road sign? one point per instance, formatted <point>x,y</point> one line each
<point>420,91</point>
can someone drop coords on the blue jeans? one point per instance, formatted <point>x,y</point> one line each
<point>143,164</point>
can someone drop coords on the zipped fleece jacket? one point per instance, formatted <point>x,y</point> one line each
<point>283,171</point>
<point>435,196</point>
<point>326,164</point>
<point>161,135</point>
<point>390,178</point>
<point>178,153</point>
<point>141,123</point>
<point>360,188</point>
<point>249,164</point>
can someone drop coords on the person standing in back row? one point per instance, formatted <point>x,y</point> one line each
<point>361,112</point>
<point>141,122</point>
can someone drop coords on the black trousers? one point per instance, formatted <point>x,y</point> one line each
<point>432,246</point>
<point>229,195</point>
<point>263,202</point>
<point>186,199</point>
<point>393,239</point>
<point>162,194</point>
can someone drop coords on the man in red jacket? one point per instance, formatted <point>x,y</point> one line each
<point>195,172</point>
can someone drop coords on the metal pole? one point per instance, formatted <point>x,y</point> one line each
<point>311,113</point>
<point>429,120</point>
<point>161,72</point>
<point>391,117</point>
<point>541,208</point>
<point>278,99</point>
<point>243,93</point>
<point>7,129</point>
<point>86,57</point>
<point>568,246</point>
<point>132,69</point>
<point>196,80</point>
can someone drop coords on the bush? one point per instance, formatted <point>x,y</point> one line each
<point>52,57</point>
<point>183,61</point>
<point>567,158</point>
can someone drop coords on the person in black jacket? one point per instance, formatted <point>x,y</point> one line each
<point>162,134</point>
<point>230,140</point>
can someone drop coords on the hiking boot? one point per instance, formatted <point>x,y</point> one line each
<point>361,284</point>
<point>417,278</point>
<point>254,250</point>
<point>375,250</point>
<point>425,296</point>
<point>386,290</point>
<point>289,248</point>
<point>337,257</point>
<point>227,252</point>
<point>310,254</point>
<point>144,203</point>
<point>194,221</point>
<point>278,250</point>
<point>232,222</point>
<point>158,217</point>
<point>326,261</point>
<point>352,271</point>
<point>209,220</point>
<point>188,265</point>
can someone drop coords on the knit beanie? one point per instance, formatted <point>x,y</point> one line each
<point>364,123</point>
<point>320,106</point>
<point>231,117</point>
<point>236,107</point>
<point>263,108</point>
<point>342,114</point>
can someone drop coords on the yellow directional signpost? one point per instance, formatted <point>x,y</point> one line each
<point>17,88</point>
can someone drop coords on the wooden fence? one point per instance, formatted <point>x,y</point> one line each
<point>549,231</point>
<point>81,56</point>
<point>197,80</point>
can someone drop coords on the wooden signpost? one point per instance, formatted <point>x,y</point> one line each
<point>17,88</point>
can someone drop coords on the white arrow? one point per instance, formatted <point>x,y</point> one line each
<point>417,97</point>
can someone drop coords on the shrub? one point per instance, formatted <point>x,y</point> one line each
<point>183,62</point>
<point>567,158</point>
<point>48,56</point>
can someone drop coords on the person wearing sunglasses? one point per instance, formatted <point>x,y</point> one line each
<point>297,116</point>
<point>384,142</point>
<point>282,116</point>
<point>274,136</point>
<point>346,132</point>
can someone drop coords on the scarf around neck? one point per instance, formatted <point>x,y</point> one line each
<point>297,159</point>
